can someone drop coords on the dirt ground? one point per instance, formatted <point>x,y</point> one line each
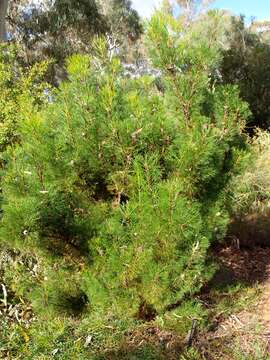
<point>249,328</point>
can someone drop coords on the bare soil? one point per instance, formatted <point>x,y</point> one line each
<point>250,327</point>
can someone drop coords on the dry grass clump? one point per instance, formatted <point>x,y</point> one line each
<point>252,187</point>
<point>250,202</point>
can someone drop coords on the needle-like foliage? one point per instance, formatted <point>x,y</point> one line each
<point>129,176</point>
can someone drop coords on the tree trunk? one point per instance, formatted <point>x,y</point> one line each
<point>3,13</point>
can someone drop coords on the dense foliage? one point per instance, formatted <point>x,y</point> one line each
<point>130,177</point>
<point>116,186</point>
<point>20,89</point>
<point>245,63</point>
<point>60,28</point>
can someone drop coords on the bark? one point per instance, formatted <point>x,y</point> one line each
<point>3,13</point>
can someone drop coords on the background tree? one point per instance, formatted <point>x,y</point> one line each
<point>3,13</point>
<point>262,28</point>
<point>245,62</point>
<point>62,27</point>
<point>190,9</point>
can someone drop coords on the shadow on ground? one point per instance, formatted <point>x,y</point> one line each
<point>240,265</point>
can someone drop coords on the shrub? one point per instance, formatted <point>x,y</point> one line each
<point>250,195</point>
<point>252,187</point>
<point>134,175</point>
<point>20,89</point>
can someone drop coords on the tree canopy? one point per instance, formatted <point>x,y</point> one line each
<point>62,27</point>
<point>245,63</point>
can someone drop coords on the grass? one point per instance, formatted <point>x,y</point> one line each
<point>64,337</point>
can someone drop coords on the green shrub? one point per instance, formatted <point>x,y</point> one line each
<point>133,178</point>
<point>20,89</point>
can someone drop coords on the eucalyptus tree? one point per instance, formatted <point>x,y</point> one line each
<point>61,27</point>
